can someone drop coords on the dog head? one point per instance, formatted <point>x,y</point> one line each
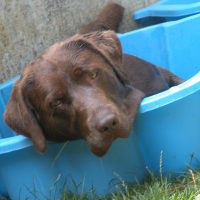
<point>76,89</point>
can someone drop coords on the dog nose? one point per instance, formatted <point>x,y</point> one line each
<point>107,123</point>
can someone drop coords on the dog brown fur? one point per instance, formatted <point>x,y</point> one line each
<point>108,19</point>
<point>83,88</point>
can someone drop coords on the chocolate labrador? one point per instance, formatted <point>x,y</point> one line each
<point>84,88</point>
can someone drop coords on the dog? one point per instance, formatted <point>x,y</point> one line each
<point>84,88</point>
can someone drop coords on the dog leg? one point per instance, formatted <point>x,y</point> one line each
<point>108,19</point>
<point>171,78</point>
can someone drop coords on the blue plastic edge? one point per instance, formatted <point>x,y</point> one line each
<point>173,94</point>
<point>14,143</point>
<point>159,10</point>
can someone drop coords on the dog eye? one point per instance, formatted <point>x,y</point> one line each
<point>93,75</point>
<point>57,103</point>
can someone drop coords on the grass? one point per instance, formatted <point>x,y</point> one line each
<point>186,186</point>
<point>183,187</point>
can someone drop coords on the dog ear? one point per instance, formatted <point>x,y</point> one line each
<point>20,117</point>
<point>109,46</point>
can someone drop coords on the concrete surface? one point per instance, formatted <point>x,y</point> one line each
<point>27,27</point>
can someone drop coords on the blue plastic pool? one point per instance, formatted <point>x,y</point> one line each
<point>167,122</point>
<point>170,9</point>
